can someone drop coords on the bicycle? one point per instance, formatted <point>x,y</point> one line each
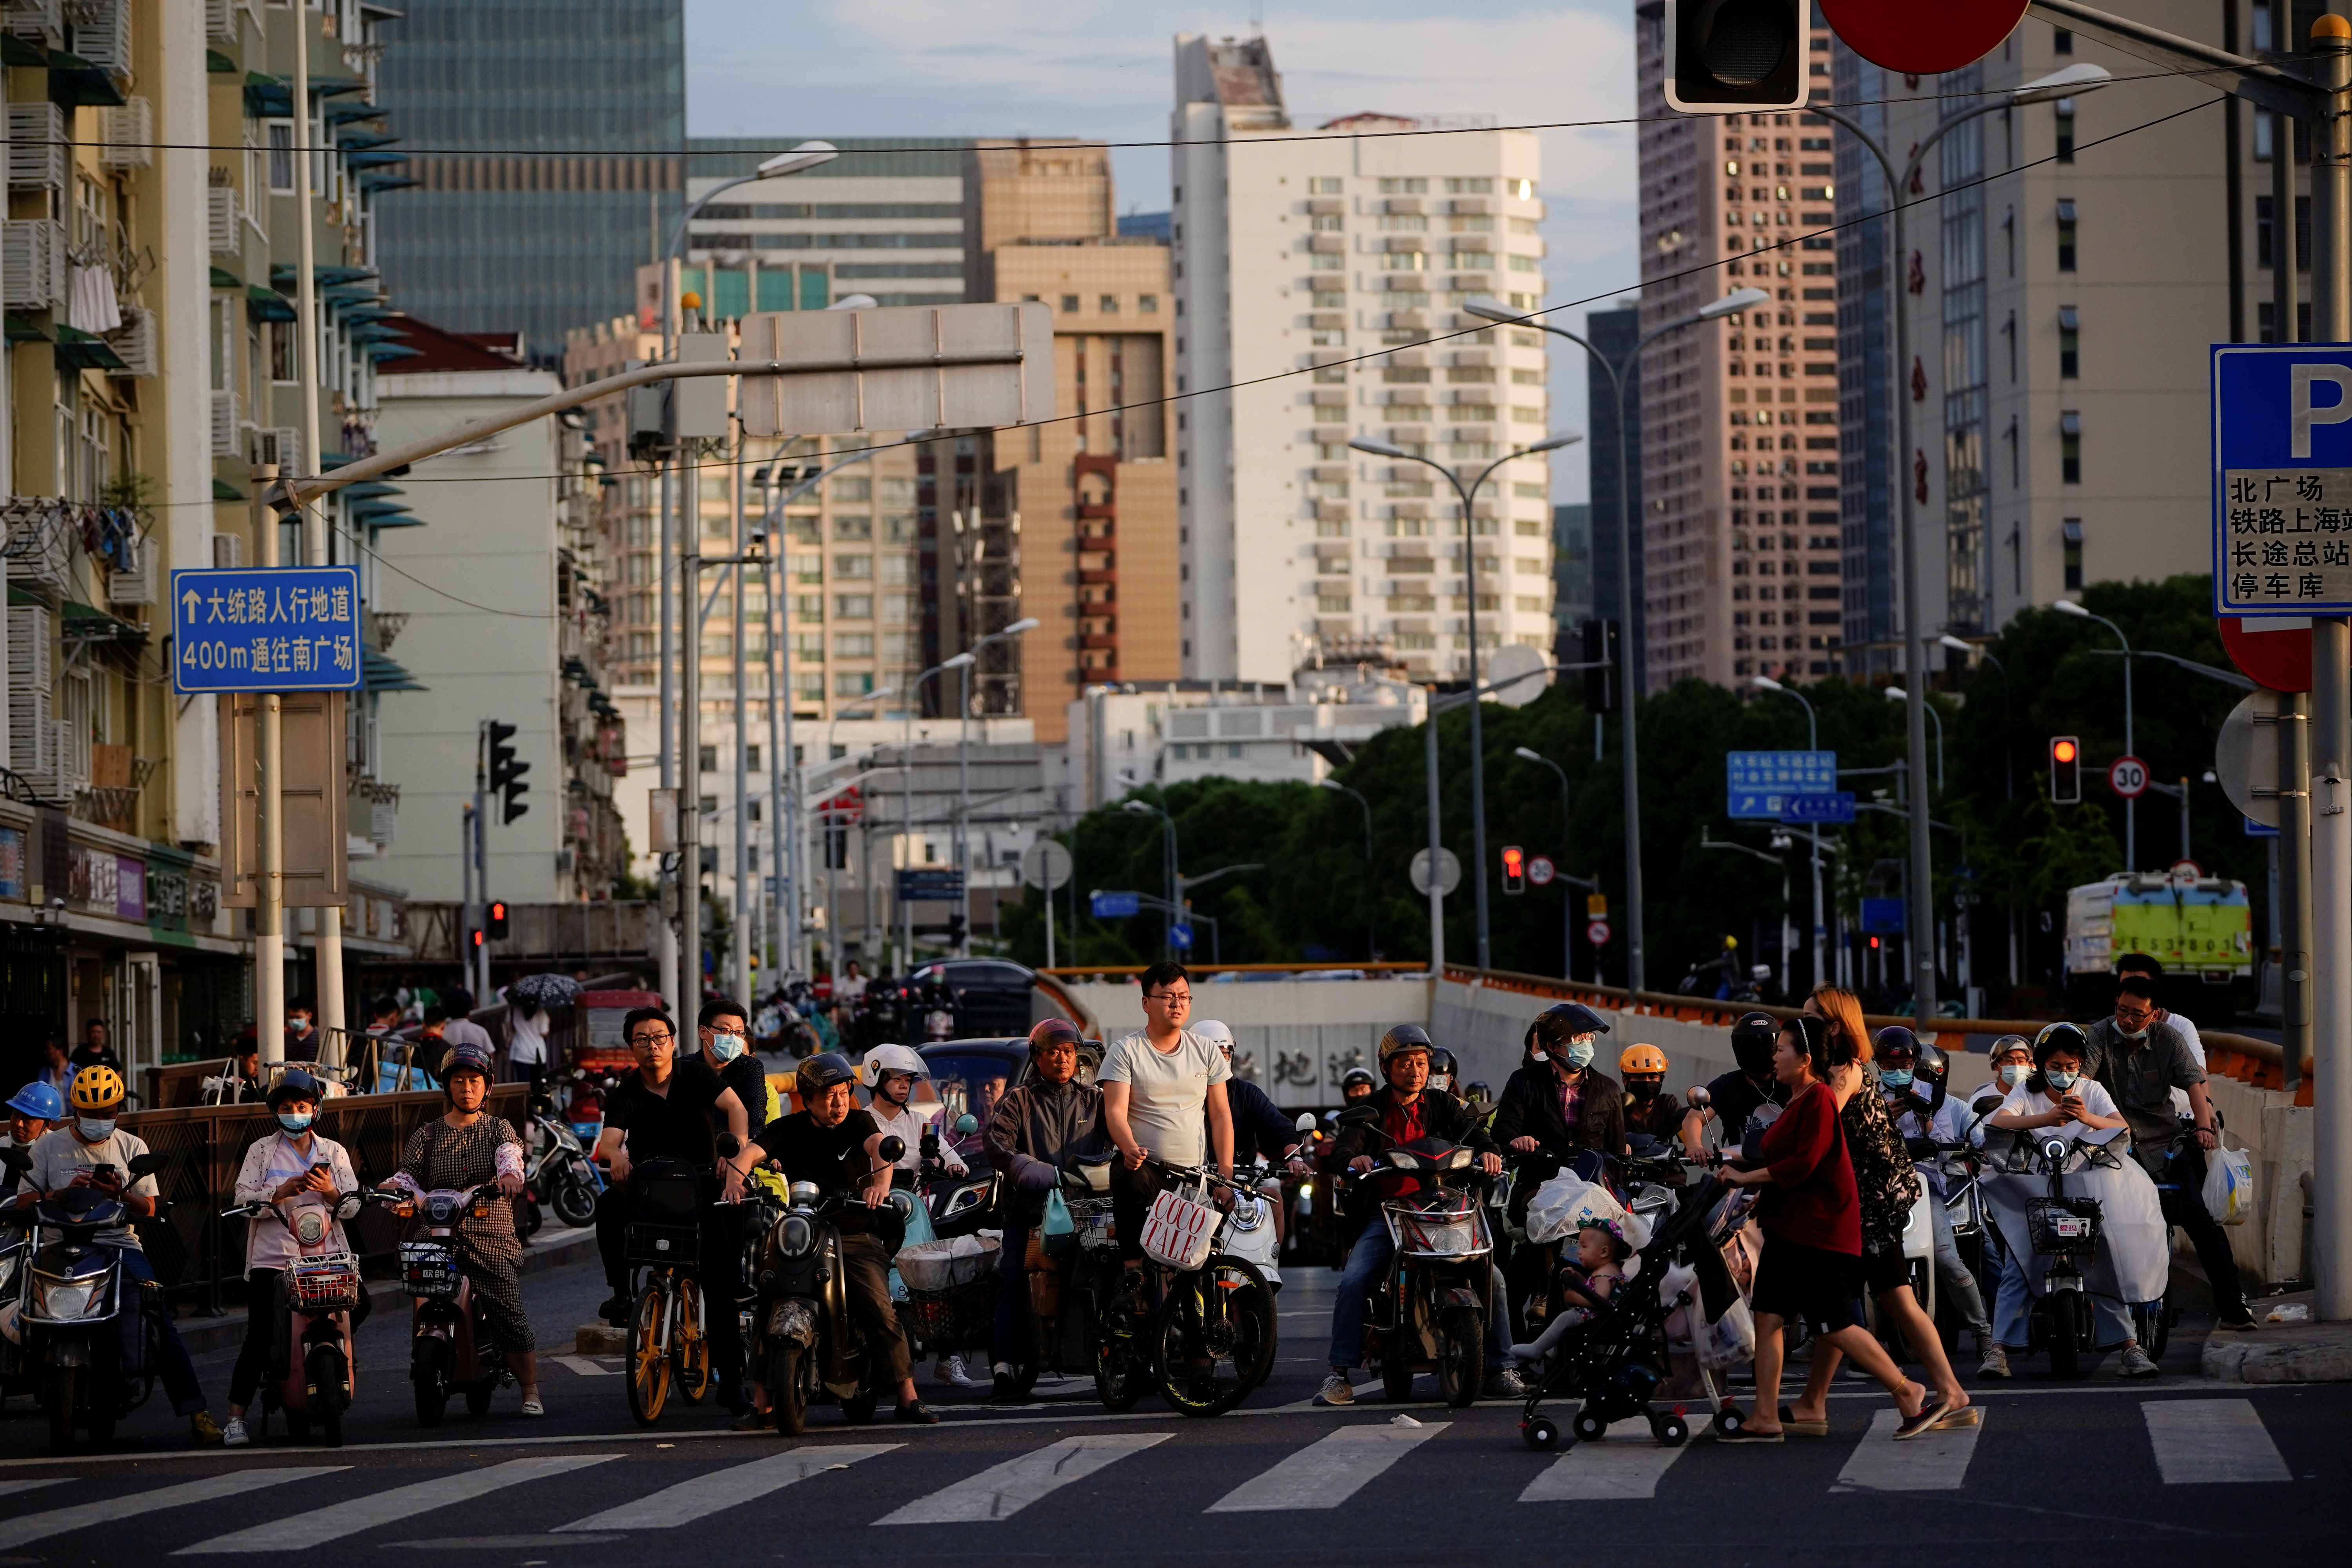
<point>1214,1335</point>
<point>669,1345</point>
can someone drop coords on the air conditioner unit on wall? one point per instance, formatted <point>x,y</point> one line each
<point>221,220</point>
<point>281,445</point>
<point>137,585</point>
<point>33,264</point>
<point>225,423</point>
<point>127,132</point>
<point>134,343</point>
<point>101,33</point>
<point>37,152</point>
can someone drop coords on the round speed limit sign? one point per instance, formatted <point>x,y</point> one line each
<point>1597,933</point>
<point>1540,870</point>
<point>2127,776</point>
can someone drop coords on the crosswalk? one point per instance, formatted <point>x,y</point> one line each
<point>276,1508</point>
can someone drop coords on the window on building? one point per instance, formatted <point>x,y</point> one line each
<point>2065,236</point>
<point>853,683</point>
<point>1109,304</point>
<point>1324,186</point>
<point>708,762</point>
<point>2065,120</point>
<point>280,146</point>
<point>2070,336</point>
<point>2072,534</point>
<point>1069,304</point>
<point>2070,448</point>
<point>1398,185</point>
<point>1146,304</point>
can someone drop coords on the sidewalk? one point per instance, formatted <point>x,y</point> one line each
<point>556,1246</point>
<point>2305,1352</point>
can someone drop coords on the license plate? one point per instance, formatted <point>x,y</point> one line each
<point>2072,1227</point>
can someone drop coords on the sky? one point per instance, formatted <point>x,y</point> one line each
<point>1090,68</point>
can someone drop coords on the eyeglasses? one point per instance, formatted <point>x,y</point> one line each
<point>650,1039</point>
<point>1173,998</point>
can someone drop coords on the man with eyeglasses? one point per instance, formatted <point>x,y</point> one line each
<point>667,1109</point>
<point>2142,1059</point>
<point>1164,1095</point>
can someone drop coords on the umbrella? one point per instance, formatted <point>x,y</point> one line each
<point>537,991</point>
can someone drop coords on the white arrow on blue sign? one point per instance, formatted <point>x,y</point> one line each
<point>1756,783</point>
<point>2282,478</point>
<point>287,628</point>
<point>1837,805</point>
<point>1113,906</point>
<point>1180,936</point>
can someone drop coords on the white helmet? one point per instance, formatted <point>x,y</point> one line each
<point>1216,1034</point>
<point>891,1058</point>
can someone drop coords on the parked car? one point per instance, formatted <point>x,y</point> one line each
<point>992,996</point>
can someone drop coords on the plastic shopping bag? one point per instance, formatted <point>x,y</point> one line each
<point>2230,1185</point>
<point>1727,1342</point>
<point>1059,1231</point>
<point>1566,1202</point>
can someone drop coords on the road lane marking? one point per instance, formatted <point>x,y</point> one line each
<point>708,1494</point>
<point>584,1366</point>
<point>316,1528</point>
<point>2208,1441</point>
<point>1935,1462</point>
<point>82,1516</point>
<point>1616,1467</point>
<point>1328,1472</point>
<point>1002,1490</point>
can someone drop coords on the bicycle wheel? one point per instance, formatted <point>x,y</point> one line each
<point>690,1345</point>
<point>649,1369</point>
<point>1213,1339</point>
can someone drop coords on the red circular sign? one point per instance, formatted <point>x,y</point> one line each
<point>1597,933</point>
<point>2273,650</point>
<point>2127,776</point>
<point>1540,870</point>
<point>1922,37</point>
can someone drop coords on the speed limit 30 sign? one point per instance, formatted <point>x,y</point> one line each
<point>2127,776</point>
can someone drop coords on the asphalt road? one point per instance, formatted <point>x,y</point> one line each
<point>2141,1474</point>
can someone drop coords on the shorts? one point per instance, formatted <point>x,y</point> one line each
<point>1806,1284</point>
<point>1884,1271</point>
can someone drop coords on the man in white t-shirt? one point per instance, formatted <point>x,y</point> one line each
<point>1163,1095</point>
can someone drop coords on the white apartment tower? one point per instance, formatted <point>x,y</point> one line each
<point>1319,275</point>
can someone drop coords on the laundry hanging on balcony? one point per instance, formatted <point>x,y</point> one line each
<point>93,308</point>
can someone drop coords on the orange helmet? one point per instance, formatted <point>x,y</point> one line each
<point>98,1087</point>
<point>1642,1058</point>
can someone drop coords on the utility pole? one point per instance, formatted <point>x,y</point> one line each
<point>743,904</point>
<point>269,898</point>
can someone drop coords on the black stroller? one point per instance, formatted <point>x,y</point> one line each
<point>1617,1362</point>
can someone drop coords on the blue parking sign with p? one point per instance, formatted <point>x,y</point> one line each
<point>2282,419</point>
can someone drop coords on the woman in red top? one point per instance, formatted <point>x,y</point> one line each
<point>1813,1232</point>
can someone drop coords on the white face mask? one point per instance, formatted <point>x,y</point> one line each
<point>2014,1074</point>
<point>96,1129</point>
<point>1577,1055</point>
<point>726,1047</point>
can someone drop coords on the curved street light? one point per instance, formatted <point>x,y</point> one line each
<point>1812,742</point>
<point>1371,906</point>
<point>2131,806</point>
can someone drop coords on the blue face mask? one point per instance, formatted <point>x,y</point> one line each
<point>2060,1080</point>
<point>726,1047</point>
<point>1577,1055</point>
<point>296,1122</point>
<point>96,1129</point>
<point>2014,1073</point>
<point>1895,1077</point>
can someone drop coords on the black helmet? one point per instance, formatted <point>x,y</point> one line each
<point>1055,1029</point>
<point>2068,1038</point>
<point>1356,1076</point>
<point>822,1071</point>
<point>295,1085</point>
<point>1441,1070</point>
<point>1934,1070</point>
<point>1560,1023</point>
<point>1406,1037</point>
<point>1478,1091</point>
<point>1894,1039</point>
<point>1751,1043</point>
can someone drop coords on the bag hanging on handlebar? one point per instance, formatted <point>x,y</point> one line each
<point>1179,1231</point>
<point>1059,1232</point>
<point>2230,1184</point>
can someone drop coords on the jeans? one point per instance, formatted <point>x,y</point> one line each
<point>1373,1252</point>
<point>178,1373</point>
<point>1952,1276</point>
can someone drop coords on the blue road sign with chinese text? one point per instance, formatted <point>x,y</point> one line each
<point>1881,917</point>
<point>1113,906</point>
<point>929,887</point>
<point>2282,478</point>
<point>1837,805</point>
<point>1758,781</point>
<point>287,628</point>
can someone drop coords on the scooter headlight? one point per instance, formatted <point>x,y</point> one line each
<point>61,1299</point>
<point>795,1236</point>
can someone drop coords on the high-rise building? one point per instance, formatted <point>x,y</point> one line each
<point>1572,575</point>
<point>1320,274</point>
<point>1865,383</point>
<point>2062,294</point>
<point>548,163</point>
<point>1614,333</point>
<point>1739,422</point>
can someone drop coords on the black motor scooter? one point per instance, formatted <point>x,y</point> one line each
<point>1430,1307</point>
<point>810,1342</point>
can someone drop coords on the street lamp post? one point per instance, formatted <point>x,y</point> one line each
<point>2074,79</point>
<point>907,795</point>
<point>1896,694</point>
<point>1371,903</point>
<point>2131,804</point>
<point>1567,913</point>
<point>963,777</point>
<point>1636,974</point>
<point>1167,870</point>
<point>2008,773</point>
<point>1470,597</point>
<point>1813,743</point>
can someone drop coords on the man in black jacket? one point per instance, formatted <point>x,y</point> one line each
<point>1406,1111</point>
<point>1035,1133</point>
<point>1560,1104</point>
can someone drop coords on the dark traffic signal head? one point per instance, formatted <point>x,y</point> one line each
<point>1737,54</point>
<point>2066,770</point>
<point>1514,870</point>
<point>494,919</point>
<point>506,773</point>
<point>1601,686</point>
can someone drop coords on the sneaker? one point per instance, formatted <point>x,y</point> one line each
<point>2242,1322</point>
<point>1995,1362</point>
<point>233,1435</point>
<point>616,1310</point>
<point>2135,1362</point>
<point>918,1413</point>
<point>1503,1384</point>
<point>1336,1389</point>
<point>204,1430</point>
<point>950,1373</point>
<point>1003,1388</point>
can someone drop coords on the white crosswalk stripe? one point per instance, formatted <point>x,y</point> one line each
<point>2206,1441</point>
<point>1936,1462</point>
<point>8,1486</point>
<point>708,1494</point>
<point>333,1522</point>
<point>113,1510</point>
<point>582,1366</point>
<point>1326,1474</point>
<point>1003,1490</point>
<point>1616,1467</point>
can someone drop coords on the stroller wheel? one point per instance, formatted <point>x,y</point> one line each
<point>1671,1430</point>
<point>1590,1427</point>
<point>1729,1420</point>
<point>1541,1433</point>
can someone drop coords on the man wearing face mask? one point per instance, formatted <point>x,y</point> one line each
<point>2141,1061</point>
<point>1740,1094</point>
<point>1559,1103</point>
<point>725,1041</point>
<point>1912,1074</point>
<point>37,1108</point>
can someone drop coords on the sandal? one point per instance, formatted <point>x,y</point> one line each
<point>534,1407</point>
<point>1795,1427</point>
<point>1931,1415</point>
<point>1960,1415</point>
<point>1747,1435</point>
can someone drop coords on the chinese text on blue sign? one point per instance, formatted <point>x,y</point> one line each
<point>291,628</point>
<point>1758,782</point>
<point>2282,478</point>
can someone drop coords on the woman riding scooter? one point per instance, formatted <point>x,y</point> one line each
<point>295,1161</point>
<point>890,1073</point>
<point>1038,1130</point>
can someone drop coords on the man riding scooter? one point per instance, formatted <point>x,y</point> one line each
<point>1560,1104</point>
<point>1740,1094</point>
<point>1404,1111</point>
<point>1036,1133</point>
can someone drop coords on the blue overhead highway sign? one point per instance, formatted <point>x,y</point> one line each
<point>1836,805</point>
<point>1758,781</point>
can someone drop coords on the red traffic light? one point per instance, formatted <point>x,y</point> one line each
<point>1515,869</point>
<point>1922,37</point>
<point>2064,749</point>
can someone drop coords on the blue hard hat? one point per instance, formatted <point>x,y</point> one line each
<point>41,1100</point>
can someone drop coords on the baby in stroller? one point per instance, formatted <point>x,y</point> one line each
<point>1581,1289</point>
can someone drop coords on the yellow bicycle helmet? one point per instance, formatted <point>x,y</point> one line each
<point>1642,1058</point>
<point>98,1087</point>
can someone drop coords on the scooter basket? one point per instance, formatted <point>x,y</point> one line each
<point>327,1283</point>
<point>2059,1226</point>
<point>958,1315</point>
<point>670,1245</point>
<point>428,1268</point>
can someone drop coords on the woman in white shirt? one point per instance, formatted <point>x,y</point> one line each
<point>2058,1096</point>
<point>294,1168</point>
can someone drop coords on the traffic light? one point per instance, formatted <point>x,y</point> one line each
<point>495,919</point>
<point>1737,54</point>
<point>506,773</point>
<point>1515,869</point>
<point>956,929</point>
<point>2066,770</point>
<point>1601,685</point>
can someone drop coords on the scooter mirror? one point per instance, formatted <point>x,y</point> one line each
<point>1306,1122</point>
<point>1986,1104</point>
<point>1699,1098</point>
<point>967,1124</point>
<point>1358,1115</point>
<point>892,1150</point>
<point>17,1160</point>
<point>148,1164</point>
